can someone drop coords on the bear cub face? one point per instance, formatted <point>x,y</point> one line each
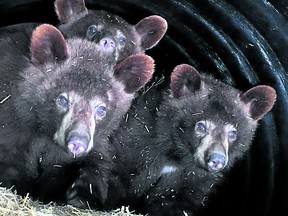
<point>214,123</point>
<point>74,92</point>
<point>110,30</point>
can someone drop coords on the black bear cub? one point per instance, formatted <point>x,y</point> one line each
<point>174,146</point>
<point>109,29</point>
<point>112,32</point>
<point>62,106</point>
<point>203,127</point>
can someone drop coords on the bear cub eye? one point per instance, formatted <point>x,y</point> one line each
<point>101,111</point>
<point>232,135</point>
<point>63,100</point>
<point>92,31</point>
<point>122,40</point>
<point>200,127</point>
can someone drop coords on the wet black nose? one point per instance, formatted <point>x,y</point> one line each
<point>78,144</point>
<point>108,45</point>
<point>216,162</point>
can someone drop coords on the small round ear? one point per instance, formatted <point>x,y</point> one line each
<point>135,71</point>
<point>185,80</point>
<point>67,9</point>
<point>47,45</point>
<point>259,100</point>
<point>151,29</point>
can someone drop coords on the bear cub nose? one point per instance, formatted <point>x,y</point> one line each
<point>216,162</point>
<point>78,144</point>
<point>108,44</point>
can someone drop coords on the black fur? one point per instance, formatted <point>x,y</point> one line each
<point>93,25</point>
<point>53,103</point>
<point>14,42</point>
<point>160,130</point>
<point>76,21</point>
<point>96,25</point>
<point>45,165</point>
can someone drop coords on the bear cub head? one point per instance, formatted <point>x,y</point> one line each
<point>74,92</point>
<point>213,123</point>
<point>110,30</point>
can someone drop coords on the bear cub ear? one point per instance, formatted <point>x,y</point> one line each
<point>259,100</point>
<point>48,45</point>
<point>185,80</point>
<point>67,9</point>
<point>135,71</point>
<point>151,29</point>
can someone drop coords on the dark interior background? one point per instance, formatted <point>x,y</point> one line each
<point>243,43</point>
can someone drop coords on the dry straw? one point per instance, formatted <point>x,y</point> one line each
<point>12,204</point>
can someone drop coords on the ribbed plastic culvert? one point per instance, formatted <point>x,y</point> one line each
<point>244,43</point>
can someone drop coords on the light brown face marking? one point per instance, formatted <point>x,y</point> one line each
<point>80,118</point>
<point>213,139</point>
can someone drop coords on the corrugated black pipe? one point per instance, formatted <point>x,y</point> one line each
<point>244,43</point>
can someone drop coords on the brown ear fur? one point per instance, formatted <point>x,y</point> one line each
<point>151,29</point>
<point>67,9</point>
<point>135,71</point>
<point>260,100</point>
<point>184,80</point>
<point>47,45</point>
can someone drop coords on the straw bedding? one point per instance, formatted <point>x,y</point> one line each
<point>12,204</point>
